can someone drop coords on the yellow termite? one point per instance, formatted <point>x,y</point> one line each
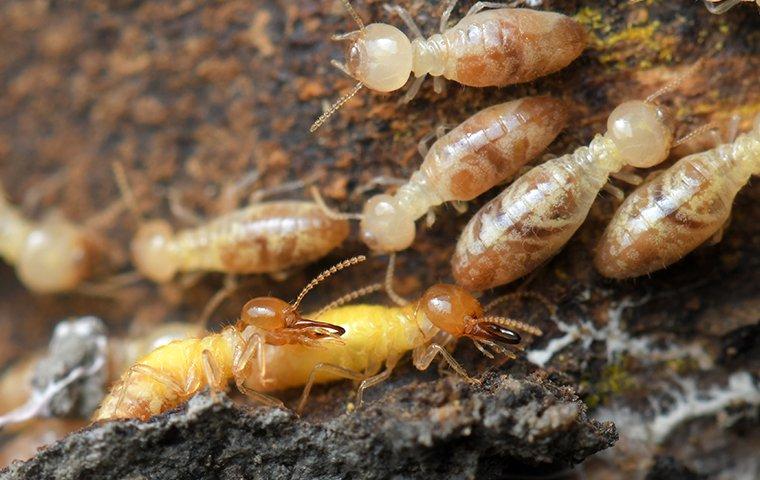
<point>171,374</point>
<point>371,336</point>
<point>498,47</point>
<point>121,352</point>
<point>482,152</point>
<point>678,210</point>
<point>265,237</point>
<point>533,218</point>
<point>50,256</point>
<point>722,6</point>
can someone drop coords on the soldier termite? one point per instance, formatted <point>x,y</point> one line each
<point>482,152</point>
<point>370,336</point>
<point>175,372</point>
<point>498,47</point>
<point>533,218</point>
<point>266,237</point>
<point>678,209</point>
<point>53,255</point>
<point>25,394</point>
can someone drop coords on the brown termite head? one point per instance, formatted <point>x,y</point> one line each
<point>56,256</point>
<point>385,226</point>
<point>455,311</point>
<point>282,324</point>
<point>379,56</point>
<point>151,251</point>
<point>643,132</point>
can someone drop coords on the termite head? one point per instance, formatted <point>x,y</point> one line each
<point>56,257</point>
<point>151,251</point>
<point>281,323</point>
<point>643,132</point>
<point>379,56</point>
<point>385,226</point>
<point>455,311</point>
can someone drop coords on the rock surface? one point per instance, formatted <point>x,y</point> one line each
<point>444,429</point>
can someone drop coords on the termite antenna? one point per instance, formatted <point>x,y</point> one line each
<point>329,211</point>
<point>324,275</point>
<point>126,191</point>
<point>522,295</point>
<point>350,297</point>
<point>335,107</point>
<point>353,14</point>
<point>673,84</point>
<point>695,133</point>
<point>512,324</point>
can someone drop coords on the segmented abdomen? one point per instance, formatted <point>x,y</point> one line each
<point>510,45</point>
<point>669,216</point>
<point>528,222</point>
<point>492,145</point>
<point>266,237</point>
<point>182,361</point>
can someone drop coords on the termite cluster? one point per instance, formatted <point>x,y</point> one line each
<point>274,345</point>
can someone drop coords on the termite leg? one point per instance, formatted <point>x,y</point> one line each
<point>211,370</point>
<point>230,285</point>
<point>335,215</point>
<point>446,15</point>
<point>614,191</point>
<point>378,181</point>
<point>413,90</point>
<point>260,195</point>
<point>370,382</point>
<point>424,355</point>
<point>722,7</point>
<point>718,236</point>
<point>627,177</point>
<point>733,127</point>
<point>460,206</point>
<point>430,218</point>
<point>406,17</point>
<point>438,132</point>
<point>439,85</point>
<point>477,7</point>
<point>180,211</point>
<point>327,368</point>
<point>340,66</point>
<point>262,398</point>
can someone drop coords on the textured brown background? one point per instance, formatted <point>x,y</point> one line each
<point>194,95</point>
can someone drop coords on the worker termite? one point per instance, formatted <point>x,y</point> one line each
<point>171,374</point>
<point>498,47</point>
<point>53,255</point>
<point>483,151</point>
<point>678,209</point>
<point>369,336</point>
<point>533,218</point>
<point>27,389</point>
<point>722,6</point>
<point>266,237</point>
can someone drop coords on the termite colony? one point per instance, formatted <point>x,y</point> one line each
<point>273,346</point>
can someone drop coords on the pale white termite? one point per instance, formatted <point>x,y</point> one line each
<point>497,47</point>
<point>679,209</point>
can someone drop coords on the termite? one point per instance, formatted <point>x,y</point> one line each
<point>19,399</point>
<point>678,209</point>
<point>482,152</point>
<point>50,256</point>
<point>533,218</point>
<point>498,47</point>
<point>370,336</point>
<point>169,375</point>
<point>265,237</point>
<point>722,6</point>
